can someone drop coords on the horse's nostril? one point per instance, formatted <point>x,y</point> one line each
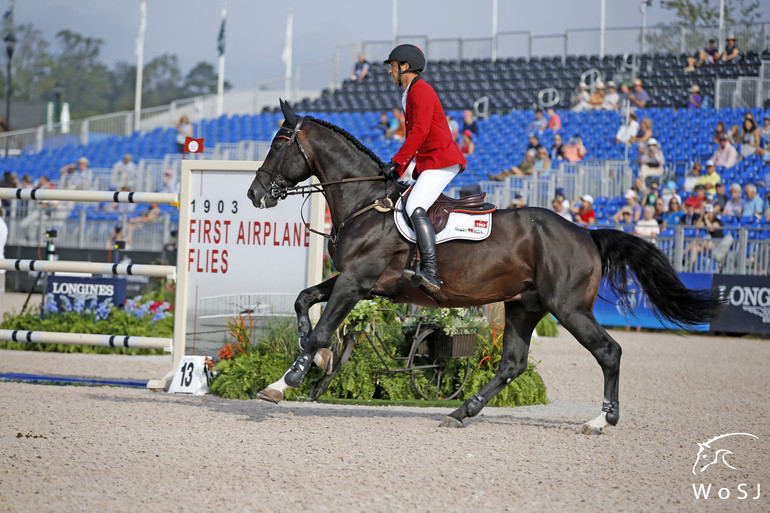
<point>250,194</point>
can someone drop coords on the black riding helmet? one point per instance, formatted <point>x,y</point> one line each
<point>408,53</point>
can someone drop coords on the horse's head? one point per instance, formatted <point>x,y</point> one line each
<point>285,165</point>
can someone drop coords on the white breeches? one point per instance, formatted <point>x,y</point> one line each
<point>429,186</point>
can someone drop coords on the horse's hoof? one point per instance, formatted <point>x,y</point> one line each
<point>270,395</point>
<point>588,429</point>
<point>451,422</point>
<point>325,360</point>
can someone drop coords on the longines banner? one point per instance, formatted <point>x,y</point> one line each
<point>747,308</point>
<point>76,288</point>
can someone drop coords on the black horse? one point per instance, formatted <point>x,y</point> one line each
<point>534,261</point>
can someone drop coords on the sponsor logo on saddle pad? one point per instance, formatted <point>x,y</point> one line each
<point>713,458</point>
<point>460,226</point>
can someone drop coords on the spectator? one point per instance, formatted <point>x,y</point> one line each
<point>397,125</point>
<point>754,206</point>
<point>734,135</point>
<point>674,213</point>
<point>534,142</point>
<point>750,141</point>
<point>699,197</point>
<point>660,211</point>
<point>694,99</point>
<point>574,151</point>
<point>651,195</point>
<point>557,206</point>
<point>39,210</point>
<point>183,130</point>
<point>764,133</point>
<point>611,97</point>
<point>554,120</point>
<point>561,196</point>
<point>767,206</point>
<point>539,124</point>
<point>469,123</point>
<point>360,68</point>
<point>690,217</point>
<point>122,208</point>
<point>518,201</point>
<point>75,176</point>
<point>525,167</point>
<point>169,186</point>
<point>597,99</point>
<point>713,234</point>
<point>384,125</point>
<point>123,173</point>
<point>623,216</point>
<point>116,235</point>
<point>584,214</point>
<point>627,130</point>
<point>719,131</point>
<point>726,155</point>
<point>638,97</point>
<point>710,54</point>
<point>732,51</point>
<point>454,127</point>
<point>669,192</point>
<point>710,179</point>
<point>691,61</point>
<point>580,100</point>
<point>644,133</point>
<point>623,97</point>
<point>542,163</point>
<point>647,227</point>
<point>467,147</point>
<point>734,205</point>
<point>719,199</point>
<point>632,205</point>
<point>652,160</point>
<point>691,180</point>
<point>557,150</point>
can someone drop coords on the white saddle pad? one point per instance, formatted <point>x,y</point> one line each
<point>460,226</point>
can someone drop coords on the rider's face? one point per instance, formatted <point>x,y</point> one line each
<point>393,71</point>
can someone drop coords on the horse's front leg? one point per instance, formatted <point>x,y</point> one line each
<point>305,300</point>
<point>347,291</point>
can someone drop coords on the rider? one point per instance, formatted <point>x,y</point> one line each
<point>434,156</point>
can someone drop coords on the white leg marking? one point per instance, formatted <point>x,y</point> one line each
<point>599,422</point>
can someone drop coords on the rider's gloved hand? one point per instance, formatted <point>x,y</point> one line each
<point>390,170</point>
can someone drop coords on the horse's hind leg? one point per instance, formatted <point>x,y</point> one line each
<point>594,337</point>
<point>519,325</point>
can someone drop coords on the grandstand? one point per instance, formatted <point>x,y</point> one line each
<point>503,93</point>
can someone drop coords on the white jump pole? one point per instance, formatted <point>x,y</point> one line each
<point>86,339</point>
<point>90,196</point>
<point>74,266</point>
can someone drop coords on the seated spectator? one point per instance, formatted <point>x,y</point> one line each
<point>539,123</point>
<point>694,99</point>
<point>669,192</point>
<point>734,205</point>
<point>674,213</point>
<point>628,130</point>
<point>557,206</point>
<point>534,142</point>
<point>699,197</point>
<point>557,150</point>
<point>360,69</point>
<point>750,141</point>
<point>726,155</point>
<point>690,217</point>
<point>169,185</point>
<point>692,179</point>
<point>580,100</point>
<point>584,214</point>
<point>611,97</point>
<point>597,99</point>
<point>397,125</point>
<point>764,133</point>
<point>469,123</point>
<point>719,198</point>
<point>123,173</point>
<point>691,61</point>
<point>713,234</point>
<point>454,127</point>
<point>734,135</point>
<point>632,205</point>
<point>764,177</point>
<point>517,201</point>
<point>384,125</point>
<point>75,176</point>
<point>623,216</point>
<point>754,206</point>
<point>467,147</point>
<point>767,206</point>
<point>710,179</point>
<point>644,133</point>
<point>732,51</point>
<point>554,120</point>
<point>719,131</point>
<point>652,160</point>
<point>638,97</point>
<point>623,101</point>
<point>574,151</point>
<point>542,163</point>
<point>710,54</point>
<point>561,196</point>
<point>116,236</point>
<point>647,227</point>
<point>524,167</point>
<point>651,195</point>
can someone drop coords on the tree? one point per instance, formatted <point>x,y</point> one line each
<point>161,81</point>
<point>123,91</point>
<point>201,80</point>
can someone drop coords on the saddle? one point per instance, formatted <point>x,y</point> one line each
<point>439,212</point>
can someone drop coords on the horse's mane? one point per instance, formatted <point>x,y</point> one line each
<point>347,135</point>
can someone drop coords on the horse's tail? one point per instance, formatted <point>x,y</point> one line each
<point>672,301</point>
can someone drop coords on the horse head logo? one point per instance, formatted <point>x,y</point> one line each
<point>708,456</point>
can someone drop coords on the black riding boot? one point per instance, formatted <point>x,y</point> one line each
<point>426,240</point>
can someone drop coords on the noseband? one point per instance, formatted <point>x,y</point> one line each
<point>276,190</point>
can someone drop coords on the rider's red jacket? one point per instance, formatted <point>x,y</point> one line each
<point>427,132</point>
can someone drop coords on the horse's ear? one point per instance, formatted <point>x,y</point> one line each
<point>289,114</point>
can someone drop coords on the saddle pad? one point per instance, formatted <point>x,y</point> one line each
<point>460,226</point>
